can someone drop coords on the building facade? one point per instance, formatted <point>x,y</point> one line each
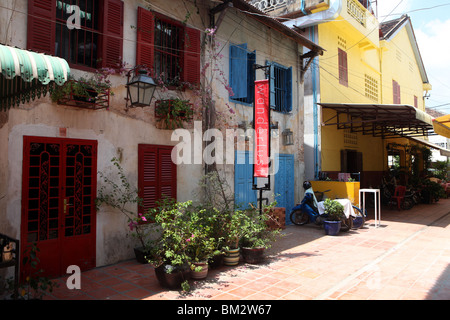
<point>57,153</point>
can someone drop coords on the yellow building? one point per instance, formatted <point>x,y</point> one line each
<point>372,84</point>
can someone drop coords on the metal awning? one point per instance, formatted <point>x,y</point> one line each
<point>441,126</point>
<point>443,151</point>
<point>380,120</point>
<point>25,75</point>
<point>31,65</point>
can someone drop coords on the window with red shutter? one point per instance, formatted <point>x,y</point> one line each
<point>41,26</point>
<point>98,42</point>
<point>396,92</point>
<point>169,47</point>
<point>157,174</point>
<point>145,38</point>
<point>343,70</point>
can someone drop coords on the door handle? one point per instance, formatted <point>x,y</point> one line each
<point>65,205</point>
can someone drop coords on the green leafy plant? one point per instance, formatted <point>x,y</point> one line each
<point>85,88</point>
<point>202,244</point>
<point>334,210</point>
<point>35,284</point>
<point>123,197</point>
<point>171,224</point>
<point>172,112</point>
<point>255,232</point>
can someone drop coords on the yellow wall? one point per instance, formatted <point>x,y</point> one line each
<point>366,57</point>
<point>338,190</point>
<point>399,64</point>
<point>363,59</point>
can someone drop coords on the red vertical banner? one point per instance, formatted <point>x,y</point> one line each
<point>261,121</point>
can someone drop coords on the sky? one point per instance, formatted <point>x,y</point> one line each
<point>431,24</point>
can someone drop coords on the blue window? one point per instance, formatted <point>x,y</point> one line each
<point>280,87</point>
<point>242,76</point>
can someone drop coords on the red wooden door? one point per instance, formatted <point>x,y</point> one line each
<point>58,208</point>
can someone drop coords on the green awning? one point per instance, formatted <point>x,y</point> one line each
<point>27,75</point>
<point>31,65</point>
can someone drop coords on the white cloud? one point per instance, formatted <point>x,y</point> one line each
<point>434,45</point>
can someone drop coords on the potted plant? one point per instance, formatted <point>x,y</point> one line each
<point>201,245</point>
<point>124,198</point>
<point>257,236</point>
<point>170,113</point>
<point>334,213</point>
<point>91,92</point>
<point>168,251</point>
<point>233,227</point>
<point>35,285</point>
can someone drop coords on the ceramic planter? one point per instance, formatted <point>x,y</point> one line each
<point>358,222</point>
<point>231,257</point>
<point>253,255</point>
<point>216,261</point>
<point>332,228</point>
<point>199,274</point>
<point>173,279</point>
<point>140,255</point>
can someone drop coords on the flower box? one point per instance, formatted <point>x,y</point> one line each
<point>171,113</point>
<point>76,94</point>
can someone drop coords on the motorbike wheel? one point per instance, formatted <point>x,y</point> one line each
<point>298,217</point>
<point>346,224</point>
<point>359,212</point>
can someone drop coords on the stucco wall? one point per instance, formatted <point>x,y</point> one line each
<point>119,131</point>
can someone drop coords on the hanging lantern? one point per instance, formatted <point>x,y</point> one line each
<point>140,89</point>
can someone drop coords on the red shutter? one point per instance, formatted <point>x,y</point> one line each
<point>191,70</point>
<point>343,69</point>
<point>157,174</point>
<point>145,38</point>
<point>396,89</point>
<point>112,42</point>
<point>41,26</point>
<point>167,174</point>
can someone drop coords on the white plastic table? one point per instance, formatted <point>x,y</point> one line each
<point>376,194</point>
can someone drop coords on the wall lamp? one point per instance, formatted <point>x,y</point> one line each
<point>140,87</point>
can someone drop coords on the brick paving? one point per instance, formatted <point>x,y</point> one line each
<point>406,258</point>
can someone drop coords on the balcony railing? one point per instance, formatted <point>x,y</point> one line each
<point>357,11</point>
<point>269,5</point>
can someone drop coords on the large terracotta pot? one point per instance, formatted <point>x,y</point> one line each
<point>253,255</point>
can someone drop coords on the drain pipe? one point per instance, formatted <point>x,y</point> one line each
<point>315,111</point>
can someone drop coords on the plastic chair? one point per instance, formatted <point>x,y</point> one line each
<point>398,197</point>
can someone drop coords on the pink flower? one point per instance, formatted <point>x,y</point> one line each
<point>132,224</point>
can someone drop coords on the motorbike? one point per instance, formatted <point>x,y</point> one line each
<point>308,211</point>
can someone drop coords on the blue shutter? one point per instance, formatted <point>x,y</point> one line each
<point>289,89</point>
<point>243,180</point>
<point>238,70</point>
<point>271,84</point>
<point>284,183</point>
<point>251,77</point>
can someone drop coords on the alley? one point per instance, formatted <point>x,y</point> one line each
<point>406,258</point>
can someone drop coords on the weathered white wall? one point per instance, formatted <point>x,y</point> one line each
<point>119,132</point>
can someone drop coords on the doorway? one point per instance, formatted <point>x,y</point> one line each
<point>58,202</point>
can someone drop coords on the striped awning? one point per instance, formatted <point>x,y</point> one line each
<point>441,126</point>
<point>31,65</point>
